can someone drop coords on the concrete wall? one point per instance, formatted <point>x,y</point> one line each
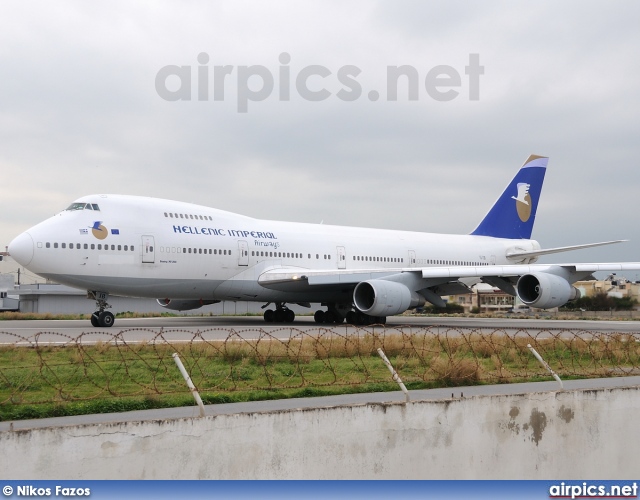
<point>564,435</point>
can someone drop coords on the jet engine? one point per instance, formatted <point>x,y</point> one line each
<point>184,305</point>
<point>384,298</point>
<point>545,290</point>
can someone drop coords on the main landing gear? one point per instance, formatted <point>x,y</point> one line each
<point>336,314</point>
<point>282,314</point>
<point>101,318</point>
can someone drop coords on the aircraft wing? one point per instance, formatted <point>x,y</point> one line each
<point>281,276</point>
<point>434,279</point>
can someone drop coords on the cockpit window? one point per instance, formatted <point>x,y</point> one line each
<point>83,206</point>
<point>76,206</point>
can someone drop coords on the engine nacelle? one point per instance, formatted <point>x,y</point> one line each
<point>384,298</point>
<point>184,305</point>
<point>545,290</point>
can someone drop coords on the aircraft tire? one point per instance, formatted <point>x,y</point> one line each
<point>289,316</point>
<point>268,316</point>
<point>106,319</point>
<point>361,319</point>
<point>351,318</point>
<point>318,317</point>
<point>278,316</point>
<point>94,319</point>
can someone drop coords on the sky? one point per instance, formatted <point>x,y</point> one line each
<point>88,105</point>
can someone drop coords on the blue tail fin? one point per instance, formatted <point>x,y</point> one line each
<point>512,216</point>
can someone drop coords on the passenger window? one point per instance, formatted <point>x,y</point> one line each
<point>48,245</point>
<point>64,245</point>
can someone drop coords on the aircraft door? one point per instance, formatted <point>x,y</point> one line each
<point>243,253</point>
<point>412,258</point>
<point>342,258</point>
<point>148,250</point>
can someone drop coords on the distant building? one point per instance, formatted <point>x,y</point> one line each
<point>486,298</point>
<point>612,285</point>
<point>491,299</point>
<point>7,302</point>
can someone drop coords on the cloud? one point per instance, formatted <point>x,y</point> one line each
<point>79,112</point>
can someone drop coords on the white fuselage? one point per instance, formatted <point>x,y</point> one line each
<point>148,247</point>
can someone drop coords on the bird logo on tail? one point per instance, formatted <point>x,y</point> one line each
<point>523,201</point>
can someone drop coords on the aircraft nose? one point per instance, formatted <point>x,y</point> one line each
<point>21,249</point>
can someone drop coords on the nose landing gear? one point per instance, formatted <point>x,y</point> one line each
<point>101,318</point>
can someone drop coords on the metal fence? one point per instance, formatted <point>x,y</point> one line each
<point>56,369</point>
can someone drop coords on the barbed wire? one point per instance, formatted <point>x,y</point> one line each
<point>55,368</point>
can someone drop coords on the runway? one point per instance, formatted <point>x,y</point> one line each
<point>176,329</point>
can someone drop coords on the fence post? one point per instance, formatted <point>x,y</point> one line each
<point>187,378</point>
<point>546,365</point>
<point>395,376</point>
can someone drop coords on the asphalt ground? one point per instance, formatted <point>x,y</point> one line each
<point>176,329</point>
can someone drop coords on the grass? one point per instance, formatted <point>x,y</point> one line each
<point>79,379</point>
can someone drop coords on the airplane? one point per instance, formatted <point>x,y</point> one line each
<point>187,256</point>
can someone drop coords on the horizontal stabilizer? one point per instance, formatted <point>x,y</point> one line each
<point>547,251</point>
